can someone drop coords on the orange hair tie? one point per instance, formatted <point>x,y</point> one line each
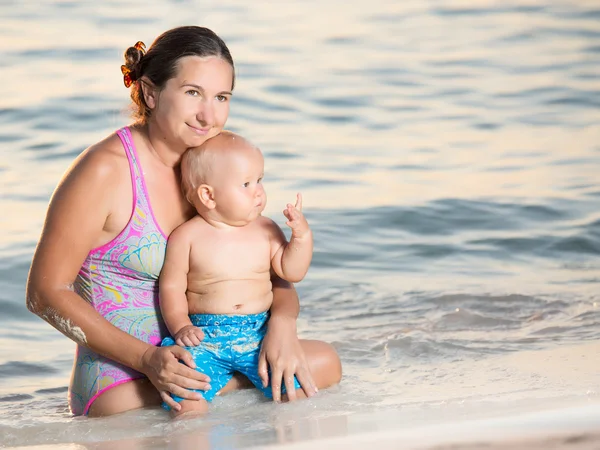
<point>127,79</point>
<point>140,46</point>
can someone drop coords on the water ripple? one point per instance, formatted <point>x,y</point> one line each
<point>20,369</point>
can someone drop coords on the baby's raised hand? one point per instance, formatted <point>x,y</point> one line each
<point>296,220</point>
<point>189,336</point>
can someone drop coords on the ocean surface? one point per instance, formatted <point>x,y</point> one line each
<point>448,153</point>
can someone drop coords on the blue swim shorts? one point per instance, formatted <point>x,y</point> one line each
<point>231,344</point>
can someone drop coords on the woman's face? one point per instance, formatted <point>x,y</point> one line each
<point>194,105</point>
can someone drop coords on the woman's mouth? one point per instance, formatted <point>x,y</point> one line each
<point>199,131</point>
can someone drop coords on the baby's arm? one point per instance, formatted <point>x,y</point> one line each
<point>172,288</point>
<point>291,260</point>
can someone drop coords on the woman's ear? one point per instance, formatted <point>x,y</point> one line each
<point>206,194</point>
<point>149,92</point>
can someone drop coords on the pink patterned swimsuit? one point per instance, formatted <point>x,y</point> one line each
<point>120,280</point>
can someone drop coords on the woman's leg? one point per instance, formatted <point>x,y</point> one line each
<point>125,397</point>
<point>323,362</point>
<point>138,394</point>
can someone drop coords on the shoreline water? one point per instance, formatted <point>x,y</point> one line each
<point>568,427</point>
<point>450,416</point>
<point>555,428</point>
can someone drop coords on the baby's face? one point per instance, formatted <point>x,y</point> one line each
<point>239,194</point>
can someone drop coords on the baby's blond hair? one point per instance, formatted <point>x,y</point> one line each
<point>197,163</point>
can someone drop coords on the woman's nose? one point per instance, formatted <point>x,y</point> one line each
<point>206,114</point>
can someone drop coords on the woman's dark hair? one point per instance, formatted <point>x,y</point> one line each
<point>159,63</point>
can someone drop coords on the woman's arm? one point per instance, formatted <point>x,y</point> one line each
<point>281,349</point>
<point>76,222</point>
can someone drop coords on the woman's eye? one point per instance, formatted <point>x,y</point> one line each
<point>193,93</point>
<point>222,98</point>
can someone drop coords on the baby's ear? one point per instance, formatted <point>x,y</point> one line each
<point>206,195</point>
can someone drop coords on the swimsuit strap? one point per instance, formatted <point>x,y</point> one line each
<point>141,199</point>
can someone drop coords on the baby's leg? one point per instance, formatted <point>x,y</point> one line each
<point>212,358</point>
<point>190,409</point>
<point>237,382</point>
<point>219,376</point>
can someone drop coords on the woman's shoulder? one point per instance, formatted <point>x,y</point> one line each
<point>98,172</point>
<point>107,151</point>
<point>105,158</point>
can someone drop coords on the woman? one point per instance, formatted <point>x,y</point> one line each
<point>95,270</point>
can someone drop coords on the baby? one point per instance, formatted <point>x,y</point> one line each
<point>215,285</point>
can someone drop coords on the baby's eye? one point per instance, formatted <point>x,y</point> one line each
<point>246,184</point>
<point>259,180</point>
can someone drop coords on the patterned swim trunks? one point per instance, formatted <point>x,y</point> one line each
<point>231,344</point>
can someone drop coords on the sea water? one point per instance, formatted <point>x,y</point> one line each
<point>448,153</point>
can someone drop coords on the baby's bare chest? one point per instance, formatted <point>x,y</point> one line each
<point>231,255</point>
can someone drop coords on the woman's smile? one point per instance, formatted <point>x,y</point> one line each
<point>200,131</point>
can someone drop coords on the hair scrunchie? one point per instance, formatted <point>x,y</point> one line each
<point>130,75</point>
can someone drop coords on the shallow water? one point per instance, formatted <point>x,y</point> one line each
<point>448,153</point>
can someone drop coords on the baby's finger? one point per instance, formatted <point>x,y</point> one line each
<point>169,401</point>
<point>294,212</point>
<point>199,334</point>
<point>194,340</point>
<point>180,342</point>
<point>299,201</point>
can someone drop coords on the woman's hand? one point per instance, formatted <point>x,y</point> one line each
<point>172,370</point>
<point>282,353</point>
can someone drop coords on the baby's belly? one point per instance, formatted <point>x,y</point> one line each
<point>230,297</point>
